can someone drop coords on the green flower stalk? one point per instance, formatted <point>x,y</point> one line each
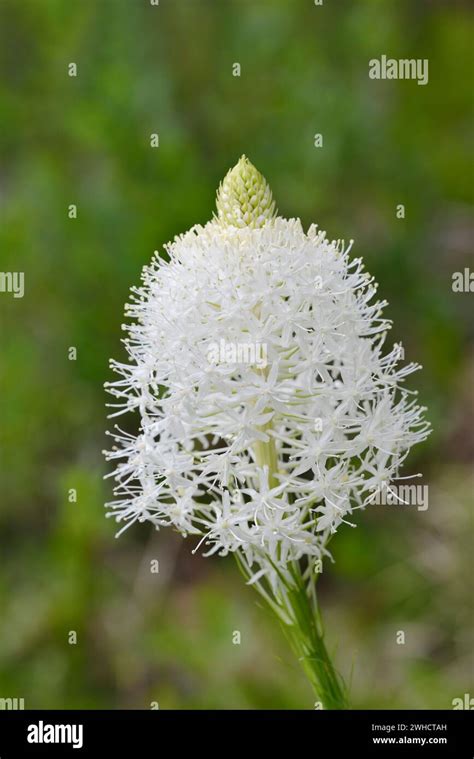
<point>269,412</point>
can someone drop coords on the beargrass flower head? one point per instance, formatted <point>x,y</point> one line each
<point>270,407</point>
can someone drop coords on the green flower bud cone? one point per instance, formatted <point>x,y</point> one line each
<point>244,198</point>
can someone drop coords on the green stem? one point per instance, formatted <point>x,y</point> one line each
<point>307,640</point>
<point>297,610</point>
<point>266,455</point>
<point>295,603</point>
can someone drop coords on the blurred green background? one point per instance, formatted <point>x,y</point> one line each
<point>167,637</point>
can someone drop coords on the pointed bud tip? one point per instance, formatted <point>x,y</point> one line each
<point>244,198</point>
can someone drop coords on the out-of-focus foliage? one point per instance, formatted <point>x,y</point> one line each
<point>167,637</point>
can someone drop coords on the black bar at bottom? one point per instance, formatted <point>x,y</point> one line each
<point>155,733</point>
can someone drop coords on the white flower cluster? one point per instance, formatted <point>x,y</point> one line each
<point>263,460</point>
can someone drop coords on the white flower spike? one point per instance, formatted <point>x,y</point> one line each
<point>265,461</point>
